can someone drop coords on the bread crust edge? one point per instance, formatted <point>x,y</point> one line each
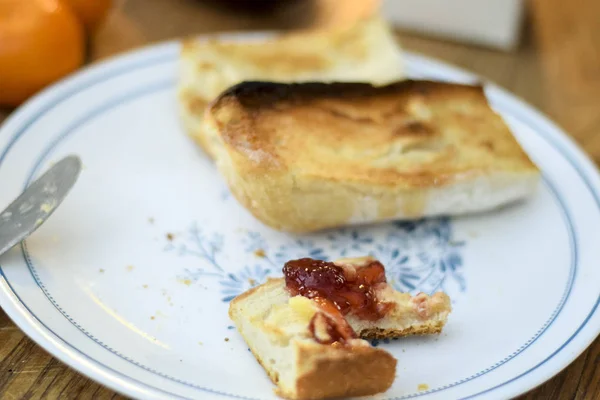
<point>325,371</point>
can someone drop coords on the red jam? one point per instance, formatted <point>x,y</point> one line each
<point>338,329</point>
<point>348,290</point>
<point>326,329</point>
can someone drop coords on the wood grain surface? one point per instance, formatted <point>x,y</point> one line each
<point>557,69</point>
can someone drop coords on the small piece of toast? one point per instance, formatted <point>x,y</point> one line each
<point>305,157</point>
<point>364,52</point>
<point>307,347</point>
<point>277,333</point>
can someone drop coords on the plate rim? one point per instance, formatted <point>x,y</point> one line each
<point>167,51</point>
<point>158,86</point>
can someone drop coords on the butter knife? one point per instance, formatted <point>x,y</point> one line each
<point>31,209</point>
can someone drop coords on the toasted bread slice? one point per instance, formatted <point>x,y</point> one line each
<point>276,327</point>
<point>277,334</point>
<point>303,157</point>
<point>365,52</point>
<point>412,315</point>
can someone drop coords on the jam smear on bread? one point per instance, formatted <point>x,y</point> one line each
<point>338,290</point>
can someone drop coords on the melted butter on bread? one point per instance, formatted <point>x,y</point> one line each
<point>293,317</point>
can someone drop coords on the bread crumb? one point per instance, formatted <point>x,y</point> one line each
<point>152,317</point>
<point>170,237</point>
<point>227,339</point>
<point>260,253</point>
<point>130,268</point>
<point>145,286</point>
<point>423,386</point>
<point>151,220</point>
<point>252,282</point>
<point>101,270</point>
<point>185,281</point>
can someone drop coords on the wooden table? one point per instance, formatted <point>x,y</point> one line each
<point>557,69</point>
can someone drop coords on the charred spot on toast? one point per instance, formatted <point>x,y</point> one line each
<point>261,94</point>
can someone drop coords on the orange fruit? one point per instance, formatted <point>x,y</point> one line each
<point>40,42</point>
<point>90,12</point>
<point>330,13</point>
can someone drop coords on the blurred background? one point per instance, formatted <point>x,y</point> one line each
<point>545,51</point>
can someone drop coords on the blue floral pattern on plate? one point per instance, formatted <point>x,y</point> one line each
<point>419,256</point>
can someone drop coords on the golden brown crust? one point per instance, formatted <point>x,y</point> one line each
<point>341,131</point>
<point>309,156</point>
<point>333,372</point>
<point>430,328</point>
<point>347,372</point>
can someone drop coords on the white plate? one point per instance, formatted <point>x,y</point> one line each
<point>101,287</point>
